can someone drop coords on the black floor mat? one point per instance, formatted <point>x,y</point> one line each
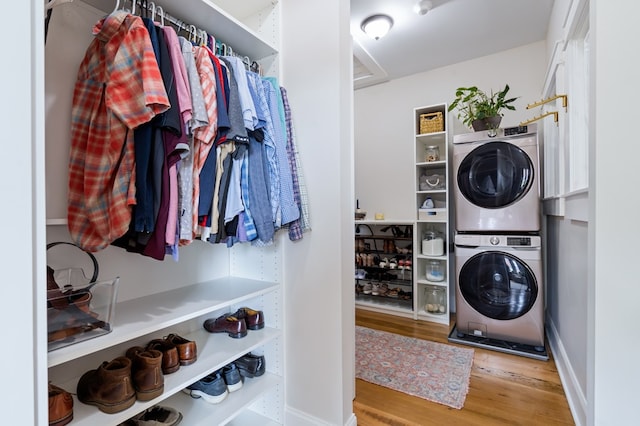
<point>499,345</point>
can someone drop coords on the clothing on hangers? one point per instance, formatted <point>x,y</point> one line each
<point>216,161</point>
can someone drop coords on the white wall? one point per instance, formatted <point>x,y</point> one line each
<point>613,387</point>
<point>22,253</point>
<point>567,306</point>
<point>319,305</point>
<point>384,121</point>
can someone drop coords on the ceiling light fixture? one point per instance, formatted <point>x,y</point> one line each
<point>377,26</point>
<point>423,6</point>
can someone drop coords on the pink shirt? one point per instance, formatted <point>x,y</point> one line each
<point>180,74</point>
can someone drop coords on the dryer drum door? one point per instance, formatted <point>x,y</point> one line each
<point>498,285</point>
<point>495,175</point>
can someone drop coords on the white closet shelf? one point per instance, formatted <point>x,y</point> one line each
<point>423,137</point>
<point>233,409</point>
<point>208,16</point>
<point>138,317</point>
<point>430,164</point>
<point>437,318</point>
<point>214,352</point>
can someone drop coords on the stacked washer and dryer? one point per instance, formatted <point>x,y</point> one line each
<point>498,261</point>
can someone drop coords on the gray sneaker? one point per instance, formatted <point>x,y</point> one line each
<point>232,377</point>
<point>211,388</point>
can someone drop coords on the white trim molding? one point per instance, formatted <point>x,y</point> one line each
<point>575,397</point>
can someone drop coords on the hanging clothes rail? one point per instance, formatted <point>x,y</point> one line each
<point>193,33</point>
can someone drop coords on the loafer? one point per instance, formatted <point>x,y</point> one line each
<point>229,324</point>
<point>251,365</point>
<point>211,388</point>
<point>253,318</point>
<point>187,351</point>
<point>60,406</point>
<point>170,357</point>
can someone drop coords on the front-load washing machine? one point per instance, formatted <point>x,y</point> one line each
<point>499,289</point>
<point>496,186</point>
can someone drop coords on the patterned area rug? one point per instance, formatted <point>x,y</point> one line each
<point>428,370</point>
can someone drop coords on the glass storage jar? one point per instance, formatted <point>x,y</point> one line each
<point>432,153</point>
<point>432,244</point>
<point>435,300</point>
<point>435,270</point>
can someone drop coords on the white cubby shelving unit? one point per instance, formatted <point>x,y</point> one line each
<point>432,181</point>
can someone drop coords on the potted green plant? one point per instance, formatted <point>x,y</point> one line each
<point>479,110</point>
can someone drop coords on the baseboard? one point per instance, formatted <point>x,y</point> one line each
<point>300,418</point>
<point>575,397</point>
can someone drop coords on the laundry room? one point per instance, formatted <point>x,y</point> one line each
<point>388,169</point>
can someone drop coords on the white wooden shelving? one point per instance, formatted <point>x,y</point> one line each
<point>169,305</point>
<point>432,181</point>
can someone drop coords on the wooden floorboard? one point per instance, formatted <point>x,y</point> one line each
<point>504,389</point>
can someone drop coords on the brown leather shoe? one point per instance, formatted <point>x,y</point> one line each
<point>187,350</point>
<point>60,406</point>
<point>170,356</point>
<point>229,324</point>
<point>253,318</point>
<point>146,372</point>
<point>108,387</point>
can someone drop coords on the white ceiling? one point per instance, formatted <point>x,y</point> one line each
<point>452,31</point>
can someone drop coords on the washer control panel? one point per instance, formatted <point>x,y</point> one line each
<point>483,240</point>
<point>510,131</point>
<point>519,241</point>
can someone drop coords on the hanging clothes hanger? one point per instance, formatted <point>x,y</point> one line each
<point>144,9</point>
<point>117,6</point>
<point>193,33</point>
<point>203,37</point>
<point>160,11</point>
<point>182,27</point>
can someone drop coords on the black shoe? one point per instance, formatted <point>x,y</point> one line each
<point>251,365</point>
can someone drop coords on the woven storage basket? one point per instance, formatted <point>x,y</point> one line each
<point>431,122</point>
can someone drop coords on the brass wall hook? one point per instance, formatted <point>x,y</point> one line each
<point>553,98</point>
<point>536,118</point>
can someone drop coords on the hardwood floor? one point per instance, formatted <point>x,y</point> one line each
<point>504,389</point>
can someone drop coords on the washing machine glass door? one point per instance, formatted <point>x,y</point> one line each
<point>495,175</point>
<point>498,285</point>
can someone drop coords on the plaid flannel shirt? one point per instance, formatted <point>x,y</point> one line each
<point>118,88</point>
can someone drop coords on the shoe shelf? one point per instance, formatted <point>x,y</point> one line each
<point>234,409</point>
<point>400,298</point>
<point>384,262</point>
<point>145,315</point>
<point>385,305</point>
<point>214,352</point>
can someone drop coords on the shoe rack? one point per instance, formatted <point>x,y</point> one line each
<point>433,265</point>
<point>159,298</point>
<point>384,267</point>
